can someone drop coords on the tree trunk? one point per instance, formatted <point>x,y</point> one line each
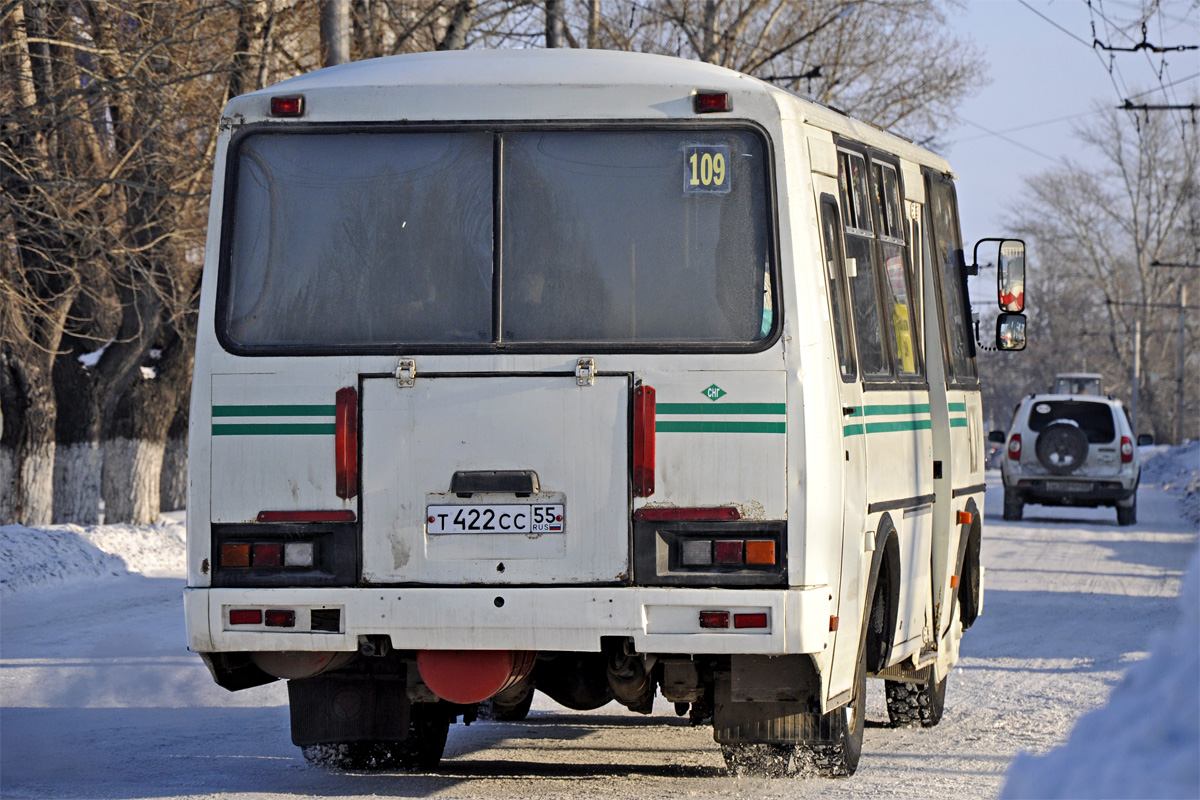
<point>137,436</point>
<point>27,445</point>
<point>174,481</point>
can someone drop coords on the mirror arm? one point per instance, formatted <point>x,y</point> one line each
<point>973,268</point>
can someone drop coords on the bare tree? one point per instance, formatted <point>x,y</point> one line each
<point>1098,235</point>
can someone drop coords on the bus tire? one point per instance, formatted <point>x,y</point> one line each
<point>1013,507</point>
<point>839,756</point>
<point>913,704</point>
<point>428,726</point>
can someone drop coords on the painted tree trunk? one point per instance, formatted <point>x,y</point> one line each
<point>174,481</point>
<point>132,468</point>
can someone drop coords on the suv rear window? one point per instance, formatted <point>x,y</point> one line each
<point>1093,418</point>
<point>375,241</point>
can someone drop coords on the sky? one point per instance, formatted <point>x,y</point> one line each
<point>1046,79</point>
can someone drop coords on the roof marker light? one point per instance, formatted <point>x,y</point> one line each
<point>709,102</point>
<point>287,106</point>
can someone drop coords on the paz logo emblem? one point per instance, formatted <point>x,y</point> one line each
<point>714,392</point>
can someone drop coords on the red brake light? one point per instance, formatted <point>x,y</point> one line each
<point>714,619</point>
<point>346,443</point>
<point>1126,450</point>
<point>643,441</point>
<point>1014,447</point>
<point>287,106</point>
<point>281,619</point>
<point>708,102</point>
<point>729,551</point>
<point>267,554</point>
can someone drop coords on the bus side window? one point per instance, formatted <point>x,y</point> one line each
<point>898,296</point>
<point>835,270</point>
<point>861,265</point>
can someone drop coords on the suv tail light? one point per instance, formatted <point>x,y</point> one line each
<point>1126,450</point>
<point>1014,447</point>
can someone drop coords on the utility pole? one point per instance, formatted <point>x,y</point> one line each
<point>554,23</point>
<point>1180,364</point>
<point>335,32</point>
<point>1136,380</point>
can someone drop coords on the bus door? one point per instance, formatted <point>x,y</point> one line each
<point>944,542</point>
<point>854,442</point>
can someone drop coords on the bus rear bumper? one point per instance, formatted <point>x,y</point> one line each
<point>659,620</point>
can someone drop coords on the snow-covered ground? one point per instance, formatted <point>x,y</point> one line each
<point>100,699</point>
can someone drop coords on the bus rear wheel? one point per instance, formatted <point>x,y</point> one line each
<point>913,704</point>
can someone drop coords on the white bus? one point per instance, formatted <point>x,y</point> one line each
<point>607,375</point>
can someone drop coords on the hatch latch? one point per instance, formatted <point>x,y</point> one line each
<point>585,372</point>
<point>406,373</point>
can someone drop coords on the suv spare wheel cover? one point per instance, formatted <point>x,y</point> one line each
<point>1062,447</point>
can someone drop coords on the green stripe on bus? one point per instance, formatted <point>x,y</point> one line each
<point>914,408</point>
<point>282,429</point>
<point>855,411</point>
<point>274,411</point>
<point>852,430</point>
<point>958,422</point>
<point>720,408</point>
<point>717,426</point>
<point>901,425</point>
<point>957,406</point>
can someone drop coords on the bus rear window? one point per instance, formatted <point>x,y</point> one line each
<point>373,241</point>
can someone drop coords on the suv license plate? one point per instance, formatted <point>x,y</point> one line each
<point>1068,486</point>
<point>509,518</point>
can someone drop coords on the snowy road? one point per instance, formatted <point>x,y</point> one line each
<point>99,699</point>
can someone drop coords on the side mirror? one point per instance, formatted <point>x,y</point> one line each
<point>1010,272</point>
<point>1010,275</point>
<point>1010,332</point>
<point>996,437</point>
<point>1145,439</point>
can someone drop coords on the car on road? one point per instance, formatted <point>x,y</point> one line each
<point>1071,450</point>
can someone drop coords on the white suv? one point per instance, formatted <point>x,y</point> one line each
<point>1071,450</point>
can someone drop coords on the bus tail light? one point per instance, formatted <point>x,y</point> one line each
<point>643,441</point>
<point>346,443</point>
<point>1126,450</point>
<point>714,619</point>
<point>1014,447</point>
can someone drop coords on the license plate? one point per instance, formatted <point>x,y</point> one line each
<point>496,518</point>
<point>1068,486</point>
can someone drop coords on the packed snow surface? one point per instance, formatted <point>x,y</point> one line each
<point>100,699</point>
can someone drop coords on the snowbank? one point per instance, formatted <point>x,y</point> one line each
<point>1145,742</point>
<point>1176,469</point>
<point>31,557</point>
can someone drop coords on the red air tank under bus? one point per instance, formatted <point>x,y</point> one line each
<point>471,676</point>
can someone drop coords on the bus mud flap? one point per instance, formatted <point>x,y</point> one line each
<point>336,709</point>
